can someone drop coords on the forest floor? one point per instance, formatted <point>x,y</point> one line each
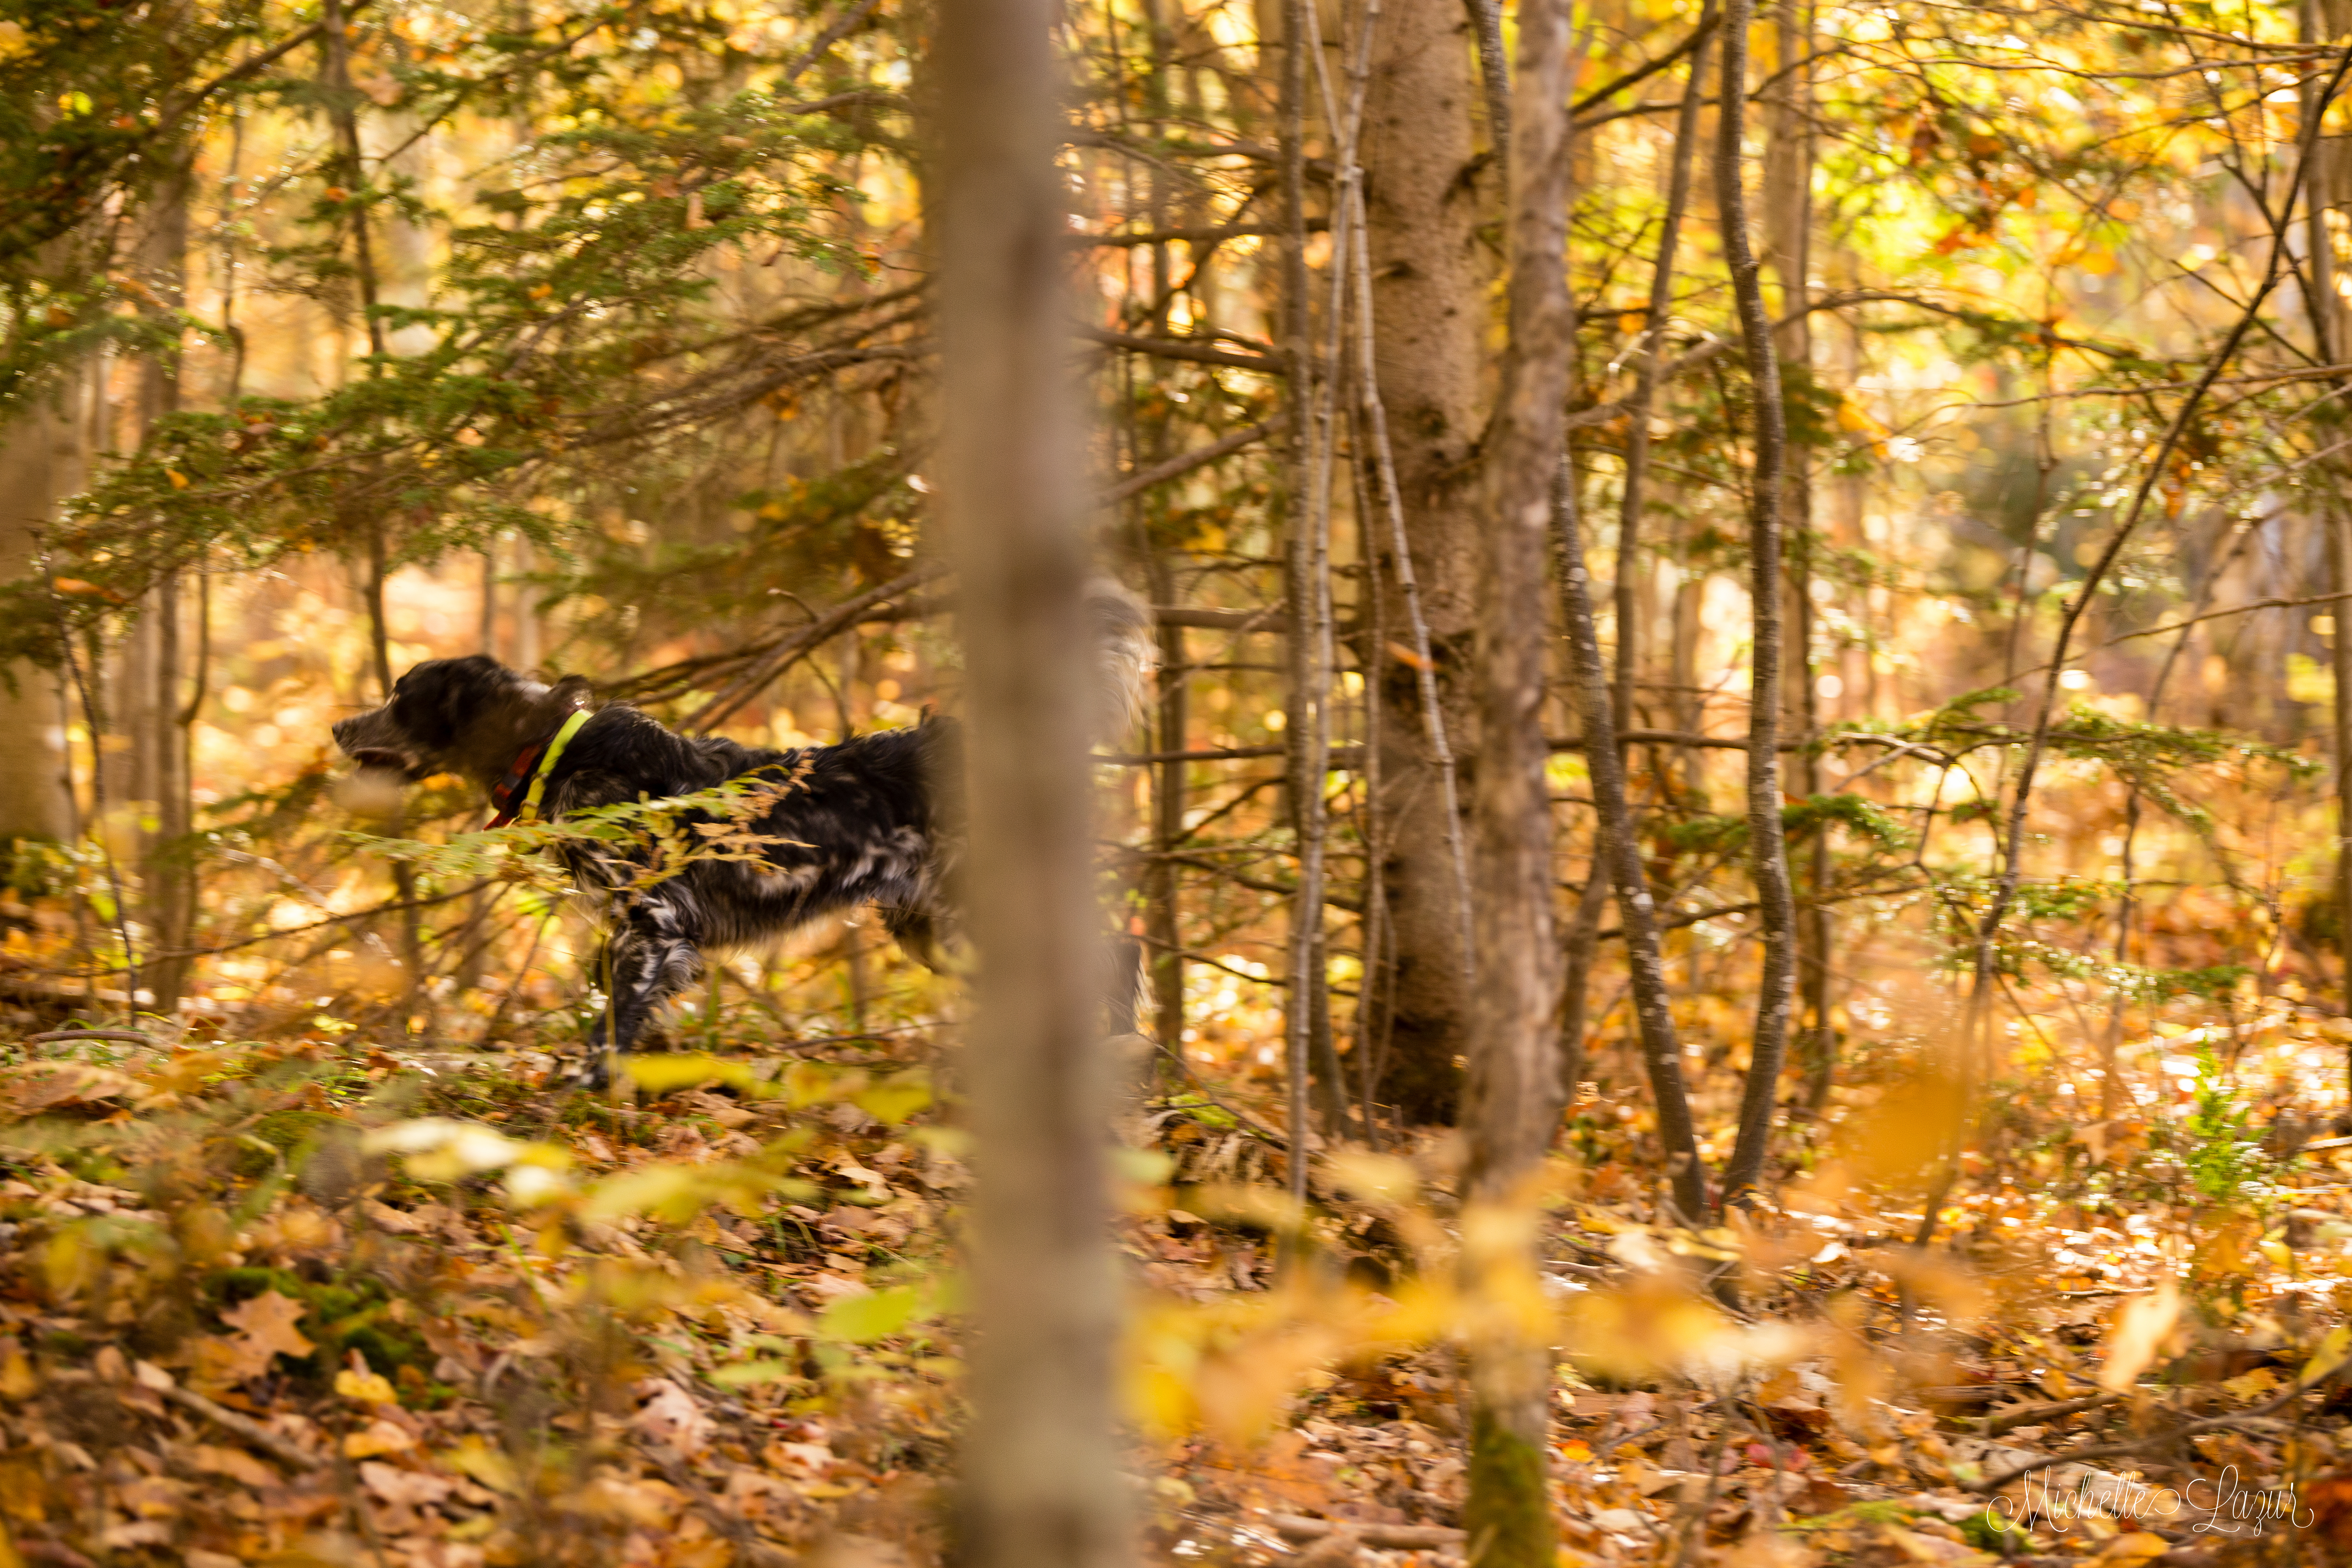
<point>314,1301</point>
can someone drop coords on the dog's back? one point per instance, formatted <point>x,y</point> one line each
<point>873,819</point>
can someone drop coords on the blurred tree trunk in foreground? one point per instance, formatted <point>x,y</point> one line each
<point>1039,1466</point>
<point>162,740</point>
<point>1420,214</point>
<point>1512,1101</point>
<point>40,462</point>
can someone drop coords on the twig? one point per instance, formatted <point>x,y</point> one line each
<point>1248,1123</point>
<point>1184,349</point>
<point>2160,1439</point>
<point>815,634</point>
<point>837,30</point>
<point>131,1034</point>
<point>244,1426</point>
<point>1200,458</point>
<point>2027,1415</point>
<point>1380,1537</point>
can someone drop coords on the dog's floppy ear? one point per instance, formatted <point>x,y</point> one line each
<point>463,685</point>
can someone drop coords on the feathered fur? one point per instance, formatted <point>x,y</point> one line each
<point>875,820</point>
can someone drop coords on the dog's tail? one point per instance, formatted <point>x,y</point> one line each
<point>1125,657</point>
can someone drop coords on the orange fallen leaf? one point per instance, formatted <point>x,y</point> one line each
<point>268,1321</point>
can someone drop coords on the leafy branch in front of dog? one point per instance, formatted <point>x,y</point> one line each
<point>634,843</point>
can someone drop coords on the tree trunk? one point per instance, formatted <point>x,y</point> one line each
<point>1421,214</point>
<point>1512,1100</point>
<point>2328,339</point>
<point>1621,853</point>
<point>40,464</point>
<point>1040,1461</point>
<point>1788,230</point>
<point>1163,888</point>
<point>1306,585</point>
<point>1768,848</point>
<point>161,741</point>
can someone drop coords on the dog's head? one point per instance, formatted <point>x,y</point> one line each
<point>467,716</point>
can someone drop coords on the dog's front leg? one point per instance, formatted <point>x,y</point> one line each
<point>655,951</point>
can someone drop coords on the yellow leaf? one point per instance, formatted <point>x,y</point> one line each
<point>665,1074</point>
<point>2331,1354</point>
<point>877,1315</point>
<point>366,1388</point>
<point>179,480</point>
<point>894,1099</point>
<point>2254,1384</point>
<point>2139,1331</point>
<point>16,1378</point>
<point>2139,1546</point>
<point>71,1263</point>
<point>746,1373</point>
<point>478,1461</point>
<point>378,1437</point>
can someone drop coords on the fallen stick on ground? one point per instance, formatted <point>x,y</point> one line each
<point>244,1426</point>
<point>1386,1537</point>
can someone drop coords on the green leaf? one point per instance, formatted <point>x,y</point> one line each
<point>862,1319</point>
<point>894,1099</point>
<point>748,1373</point>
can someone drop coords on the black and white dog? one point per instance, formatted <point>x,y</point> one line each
<point>877,819</point>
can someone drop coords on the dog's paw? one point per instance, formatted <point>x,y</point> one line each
<point>595,1070</point>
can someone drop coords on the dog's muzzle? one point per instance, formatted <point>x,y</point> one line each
<point>361,738</point>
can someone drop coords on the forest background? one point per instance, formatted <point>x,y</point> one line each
<point>1897,556</point>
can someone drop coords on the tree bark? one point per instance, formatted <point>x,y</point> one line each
<point>40,464</point>
<point>1512,1100</point>
<point>1637,914</point>
<point>1767,847</point>
<point>1421,216</point>
<point>162,742</point>
<point>1163,888</point>
<point>1788,228</point>
<point>1305,519</point>
<point>2327,314</point>
<point>1042,1486</point>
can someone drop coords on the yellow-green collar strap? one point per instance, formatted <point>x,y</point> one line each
<point>548,759</point>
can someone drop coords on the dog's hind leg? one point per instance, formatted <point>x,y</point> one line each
<point>655,951</point>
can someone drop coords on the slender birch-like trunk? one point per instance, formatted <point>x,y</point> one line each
<point>1767,847</point>
<point>1513,1095</point>
<point>1788,229</point>
<point>1637,912</point>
